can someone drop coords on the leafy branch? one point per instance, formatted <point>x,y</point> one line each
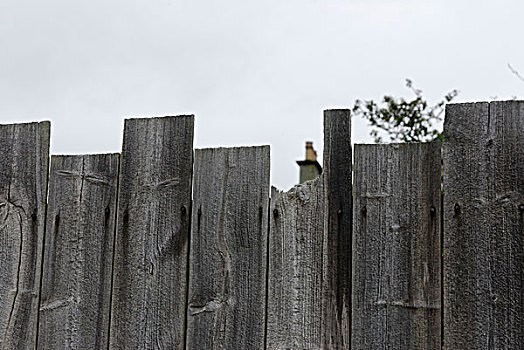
<point>403,120</point>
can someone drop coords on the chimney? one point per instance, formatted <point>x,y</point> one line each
<point>309,168</point>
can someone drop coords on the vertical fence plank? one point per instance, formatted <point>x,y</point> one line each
<point>76,281</point>
<point>24,150</point>
<point>396,247</point>
<point>338,230</point>
<point>310,251</point>
<point>149,277</point>
<point>484,226</point>
<point>227,289</point>
<point>296,257</point>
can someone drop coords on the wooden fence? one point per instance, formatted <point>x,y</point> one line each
<point>408,246</point>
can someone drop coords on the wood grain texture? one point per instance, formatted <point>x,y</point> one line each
<point>296,257</point>
<point>78,256</point>
<point>396,247</point>
<point>310,251</point>
<point>227,288</point>
<point>24,161</point>
<point>149,277</point>
<point>337,248</point>
<point>484,226</point>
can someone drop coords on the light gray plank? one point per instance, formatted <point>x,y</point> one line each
<point>149,278</point>
<point>24,161</point>
<point>310,250</point>
<point>227,289</point>
<point>296,291</point>
<point>78,256</point>
<point>396,247</point>
<point>484,226</point>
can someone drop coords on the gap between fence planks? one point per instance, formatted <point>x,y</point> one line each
<point>396,247</point>
<point>76,282</point>
<point>154,201</point>
<point>484,226</point>
<point>227,281</point>
<point>24,154</point>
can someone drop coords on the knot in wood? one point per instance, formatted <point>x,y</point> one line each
<point>457,208</point>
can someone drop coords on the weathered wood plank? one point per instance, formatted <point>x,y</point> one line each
<point>296,248</point>
<point>227,288</point>
<point>337,248</point>
<point>78,256</point>
<point>309,251</point>
<point>396,247</point>
<point>149,277</point>
<point>24,161</point>
<point>484,226</point>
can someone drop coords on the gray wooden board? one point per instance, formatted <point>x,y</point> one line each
<point>227,282</point>
<point>78,256</point>
<point>484,226</point>
<point>396,247</point>
<point>338,229</point>
<point>149,277</point>
<point>309,288</point>
<point>296,258</point>
<point>24,160</point>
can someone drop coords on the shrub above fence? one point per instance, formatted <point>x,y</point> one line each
<point>412,246</point>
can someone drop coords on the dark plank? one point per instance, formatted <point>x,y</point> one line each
<point>227,288</point>
<point>337,261</point>
<point>484,226</point>
<point>78,256</point>
<point>149,278</point>
<point>310,251</point>
<point>24,161</point>
<point>396,247</point>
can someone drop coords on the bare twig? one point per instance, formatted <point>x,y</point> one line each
<point>515,72</point>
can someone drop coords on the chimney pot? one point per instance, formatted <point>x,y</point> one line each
<point>309,168</point>
<point>311,154</point>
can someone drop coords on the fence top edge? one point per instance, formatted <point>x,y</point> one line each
<point>395,144</point>
<point>75,155</point>
<point>473,103</point>
<point>140,118</point>
<point>231,148</point>
<point>295,188</point>
<point>344,110</point>
<point>41,122</point>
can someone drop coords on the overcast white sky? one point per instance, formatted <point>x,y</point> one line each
<point>253,72</point>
